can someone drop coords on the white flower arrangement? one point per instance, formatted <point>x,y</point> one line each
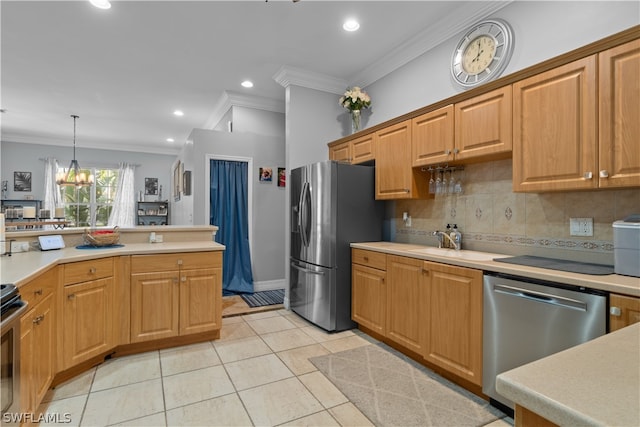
<point>355,99</point>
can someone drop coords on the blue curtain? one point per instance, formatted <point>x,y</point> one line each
<point>228,198</point>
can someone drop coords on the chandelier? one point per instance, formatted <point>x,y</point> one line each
<point>73,176</point>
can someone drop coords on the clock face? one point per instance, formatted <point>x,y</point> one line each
<point>482,53</point>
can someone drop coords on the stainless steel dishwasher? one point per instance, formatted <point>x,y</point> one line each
<point>525,320</point>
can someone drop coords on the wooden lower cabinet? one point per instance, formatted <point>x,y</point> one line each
<point>624,311</point>
<point>37,353</point>
<point>452,319</point>
<point>200,300</point>
<point>405,302</point>
<point>181,300</point>
<point>88,313</point>
<point>368,297</point>
<point>155,299</point>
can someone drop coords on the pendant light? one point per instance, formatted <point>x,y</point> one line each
<point>79,179</point>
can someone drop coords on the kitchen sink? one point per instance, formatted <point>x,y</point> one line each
<point>462,254</point>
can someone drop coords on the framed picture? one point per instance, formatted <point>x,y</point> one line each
<point>266,174</point>
<point>177,181</point>
<point>22,181</point>
<point>151,186</point>
<point>282,177</point>
<point>186,183</point>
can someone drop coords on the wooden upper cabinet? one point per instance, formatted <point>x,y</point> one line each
<point>395,178</point>
<point>619,154</point>
<point>341,152</point>
<point>355,151</point>
<point>555,129</point>
<point>483,125</point>
<point>433,137</point>
<point>362,149</point>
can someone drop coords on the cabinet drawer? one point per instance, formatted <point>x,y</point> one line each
<point>167,262</point>
<point>369,258</point>
<point>83,271</point>
<point>40,287</point>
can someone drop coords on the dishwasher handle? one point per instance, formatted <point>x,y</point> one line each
<point>541,297</point>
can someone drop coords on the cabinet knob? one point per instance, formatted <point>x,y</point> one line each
<point>38,319</point>
<point>366,258</point>
<point>615,311</point>
<point>37,292</point>
<point>406,190</point>
<point>588,175</point>
<point>604,173</point>
<point>183,279</point>
<point>456,151</point>
<point>179,262</point>
<point>92,270</point>
<point>447,152</point>
<point>71,296</point>
<point>425,271</point>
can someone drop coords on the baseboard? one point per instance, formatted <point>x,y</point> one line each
<point>268,285</point>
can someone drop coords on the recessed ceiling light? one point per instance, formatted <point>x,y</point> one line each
<point>101,4</point>
<point>178,113</point>
<point>350,25</point>
<point>247,83</point>
<point>170,140</point>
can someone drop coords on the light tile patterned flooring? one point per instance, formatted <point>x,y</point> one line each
<point>257,373</point>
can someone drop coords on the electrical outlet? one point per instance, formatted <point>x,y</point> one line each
<point>581,226</point>
<point>19,247</point>
<point>159,238</point>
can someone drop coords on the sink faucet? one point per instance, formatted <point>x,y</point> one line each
<point>441,235</point>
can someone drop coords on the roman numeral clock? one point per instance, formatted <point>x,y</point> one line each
<point>482,53</point>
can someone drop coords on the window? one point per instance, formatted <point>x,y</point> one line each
<point>91,206</point>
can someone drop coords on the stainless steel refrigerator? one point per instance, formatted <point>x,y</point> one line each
<point>332,205</point>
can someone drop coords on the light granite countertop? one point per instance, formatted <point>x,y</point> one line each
<point>20,267</point>
<point>484,261</point>
<point>593,384</point>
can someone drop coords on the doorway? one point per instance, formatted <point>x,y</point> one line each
<point>230,210</point>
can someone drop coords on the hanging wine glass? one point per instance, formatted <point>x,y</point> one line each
<point>432,183</point>
<point>452,182</point>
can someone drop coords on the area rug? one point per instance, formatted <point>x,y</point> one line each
<point>259,299</point>
<point>393,390</point>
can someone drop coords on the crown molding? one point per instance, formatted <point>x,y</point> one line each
<point>287,76</point>
<point>447,27</point>
<point>235,99</point>
<point>110,146</point>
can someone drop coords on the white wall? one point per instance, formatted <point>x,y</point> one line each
<point>25,157</point>
<point>542,30</point>
<point>268,199</point>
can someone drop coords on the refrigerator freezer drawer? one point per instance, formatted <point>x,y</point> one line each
<point>311,294</point>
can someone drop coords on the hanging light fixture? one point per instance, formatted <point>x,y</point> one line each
<point>78,179</point>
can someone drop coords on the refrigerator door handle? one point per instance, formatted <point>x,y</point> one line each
<point>300,208</point>
<point>304,214</point>
<point>306,270</point>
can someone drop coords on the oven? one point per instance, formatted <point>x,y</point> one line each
<point>12,308</point>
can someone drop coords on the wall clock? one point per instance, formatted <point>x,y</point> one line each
<point>482,53</point>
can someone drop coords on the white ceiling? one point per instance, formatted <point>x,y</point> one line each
<point>126,69</point>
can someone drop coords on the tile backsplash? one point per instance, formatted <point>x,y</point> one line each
<point>493,218</point>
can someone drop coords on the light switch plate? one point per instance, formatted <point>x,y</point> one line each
<point>581,226</point>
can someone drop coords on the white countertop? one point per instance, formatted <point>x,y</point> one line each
<point>484,261</point>
<point>593,384</point>
<point>21,267</point>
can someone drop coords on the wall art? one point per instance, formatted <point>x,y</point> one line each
<point>282,177</point>
<point>266,174</point>
<point>22,181</point>
<point>151,186</point>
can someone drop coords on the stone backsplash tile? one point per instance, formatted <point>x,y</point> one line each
<point>488,211</point>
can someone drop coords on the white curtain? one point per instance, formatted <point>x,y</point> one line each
<point>51,189</point>
<point>123,212</point>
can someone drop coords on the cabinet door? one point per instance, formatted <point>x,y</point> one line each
<point>555,129</point>
<point>27,389</point>
<point>362,149</point>
<point>368,299</point>
<point>619,112</point>
<point>341,152</point>
<point>200,300</point>
<point>395,179</point>
<point>627,313</point>
<point>432,137</point>
<point>88,320</point>
<point>453,335</point>
<point>405,302</point>
<point>154,306</point>
<point>483,125</point>
<point>43,347</point>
